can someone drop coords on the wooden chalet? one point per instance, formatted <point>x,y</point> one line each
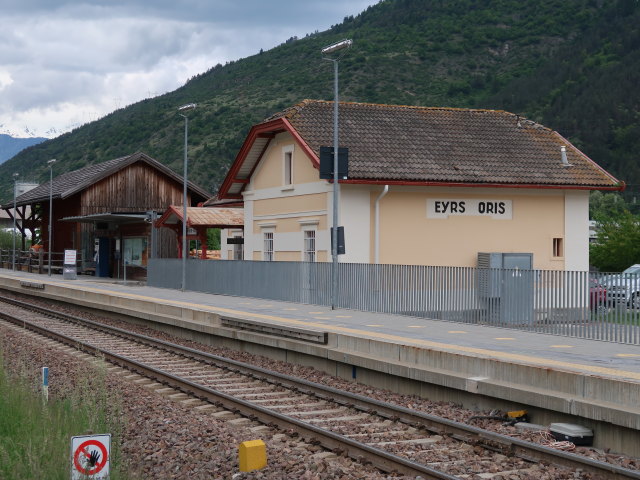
<point>106,212</point>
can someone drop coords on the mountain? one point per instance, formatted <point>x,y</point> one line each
<point>572,65</point>
<point>10,146</point>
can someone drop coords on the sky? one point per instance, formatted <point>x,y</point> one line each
<point>64,63</point>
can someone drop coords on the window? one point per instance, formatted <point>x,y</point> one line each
<point>309,246</point>
<point>558,249</point>
<point>135,251</point>
<point>267,252</point>
<point>288,165</point>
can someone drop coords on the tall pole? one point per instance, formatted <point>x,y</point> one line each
<point>336,192</point>
<point>13,256</point>
<point>50,163</point>
<point>185,108</point>
<point>336,184</point>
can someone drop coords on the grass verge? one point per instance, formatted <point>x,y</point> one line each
<point>35,437</point>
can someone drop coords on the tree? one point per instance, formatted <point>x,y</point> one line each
<point>213,238</point>
<point>618,243</point>
<point>6,239</point>
<point>604,206</point>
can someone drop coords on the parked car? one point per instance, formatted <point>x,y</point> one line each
<point>598,301</point>
<point>624,288</point>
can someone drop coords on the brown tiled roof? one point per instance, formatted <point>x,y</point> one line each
<point>448,145</point>
<point>70,183</point>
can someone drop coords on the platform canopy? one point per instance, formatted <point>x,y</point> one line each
<point>203,217</point>
<point>199,219</point>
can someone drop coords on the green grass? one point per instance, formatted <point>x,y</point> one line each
<point>620,316</point>
<point>35,437</point>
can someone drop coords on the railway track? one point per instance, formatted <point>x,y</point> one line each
<point>392,438</point>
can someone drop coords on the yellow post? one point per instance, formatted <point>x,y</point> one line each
<point>253,455</point>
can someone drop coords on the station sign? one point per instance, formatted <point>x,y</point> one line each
<point>90,457</point>
<point>474,207</point>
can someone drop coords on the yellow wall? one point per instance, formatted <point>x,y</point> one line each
<point>288,256</point>
<point>300,204</point>
<point>291,204</point>
<point>270,172</point>
<point>407,236</point>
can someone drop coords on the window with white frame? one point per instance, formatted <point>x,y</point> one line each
<point>267,249</point>
<point>287,165</point>
<point>309,246</point>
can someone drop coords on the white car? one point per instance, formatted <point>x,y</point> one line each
<point>624,288</point>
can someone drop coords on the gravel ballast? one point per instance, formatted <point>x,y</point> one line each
<point>165,439</point>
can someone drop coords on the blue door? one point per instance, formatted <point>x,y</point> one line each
<point>102,268</point>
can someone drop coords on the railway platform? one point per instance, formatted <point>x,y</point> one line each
<point>557,379</point>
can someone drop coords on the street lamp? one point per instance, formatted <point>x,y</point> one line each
<point>335,47</point>
<point>50,163</point>
<point>185,108</point>
<point>15,187</point>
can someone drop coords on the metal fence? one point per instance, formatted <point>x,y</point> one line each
<point>579,304</point>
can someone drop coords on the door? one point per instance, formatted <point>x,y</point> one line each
<point>102,267</point>
<point>517,288</point>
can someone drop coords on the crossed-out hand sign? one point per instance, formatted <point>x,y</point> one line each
<point>94,458</point>
<point>90,458</point>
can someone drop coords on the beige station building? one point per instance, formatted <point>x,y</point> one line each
<point>425,186</point>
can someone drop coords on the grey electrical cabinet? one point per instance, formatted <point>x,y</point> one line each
<point>505,287</point>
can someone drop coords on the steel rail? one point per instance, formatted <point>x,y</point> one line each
<point>438,425</point>
<point>358,451</point>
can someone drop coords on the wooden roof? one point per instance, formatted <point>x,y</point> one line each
<point>408,145</point>
<point>70,183</point>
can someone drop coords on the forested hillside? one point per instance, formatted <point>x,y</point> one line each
<point>573,65</point>
<point>10,146</point>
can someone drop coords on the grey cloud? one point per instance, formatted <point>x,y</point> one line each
<point>231,12</point>
<point>57,55</point>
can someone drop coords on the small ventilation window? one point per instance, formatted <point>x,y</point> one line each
<point>558,247</point>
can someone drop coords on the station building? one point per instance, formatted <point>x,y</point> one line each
<point>106,211</point>
<point>424,186</point>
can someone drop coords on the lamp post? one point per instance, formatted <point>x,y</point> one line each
<point>15,187</point>
<point>185,108</point>
<point>50,163</point>
<point>335,47</point>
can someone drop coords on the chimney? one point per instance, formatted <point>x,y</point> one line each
<point>563,154</point>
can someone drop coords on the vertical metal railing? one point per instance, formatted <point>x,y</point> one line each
<point>578,304</point>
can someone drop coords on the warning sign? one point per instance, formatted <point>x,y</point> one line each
<point>90,456</point>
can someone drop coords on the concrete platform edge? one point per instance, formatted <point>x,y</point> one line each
<point>591,397</point>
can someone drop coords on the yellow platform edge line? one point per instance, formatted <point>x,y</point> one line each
<point>526,359</point>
